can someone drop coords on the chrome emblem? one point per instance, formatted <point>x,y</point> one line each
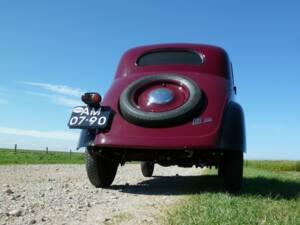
<point>160,96</point>
<point>78,109</point>
<point>201,120</point>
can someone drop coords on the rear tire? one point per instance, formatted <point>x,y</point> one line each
<point>221,169</point>
<point>100,171</point>
<point>147,168</point>
<point>233,170</point>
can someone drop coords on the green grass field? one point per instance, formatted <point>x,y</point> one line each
<point>276,165</point>
<point>8,156</point>
<point>269,197</point>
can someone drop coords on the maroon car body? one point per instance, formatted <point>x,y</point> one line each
<point>213,76</point>
<point>200,138</point>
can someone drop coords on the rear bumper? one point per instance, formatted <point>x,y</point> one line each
<point>195,142</point>
<point>164,157</point>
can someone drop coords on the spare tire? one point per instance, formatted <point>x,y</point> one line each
<point>136,115</point>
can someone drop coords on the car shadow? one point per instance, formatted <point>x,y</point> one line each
<point>188,185</point>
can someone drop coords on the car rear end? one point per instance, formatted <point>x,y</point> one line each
<point>170,104</point>
<point>196,131</point>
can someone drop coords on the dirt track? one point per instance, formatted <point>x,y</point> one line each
<point>61,194</point>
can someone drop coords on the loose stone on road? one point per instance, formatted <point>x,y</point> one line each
<point>62,194</point>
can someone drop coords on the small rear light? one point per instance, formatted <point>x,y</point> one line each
<point>91,98</point>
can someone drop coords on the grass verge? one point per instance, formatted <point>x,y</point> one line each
<point>276,165</point>
<point>268,197</point>
<point>8,156</point>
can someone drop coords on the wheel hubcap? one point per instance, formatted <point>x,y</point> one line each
<point>160,96</point>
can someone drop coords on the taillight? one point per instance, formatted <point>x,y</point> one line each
<point>91,98</point>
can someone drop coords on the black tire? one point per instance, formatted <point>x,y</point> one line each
<point>100,171</point>
<point>221,169</point>
<point>147,168</point>
<point>233,170</point>
<point>156,119</point>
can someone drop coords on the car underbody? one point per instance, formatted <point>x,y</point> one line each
<point>163,157</point>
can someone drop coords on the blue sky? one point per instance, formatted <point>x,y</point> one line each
<point>51,51</point>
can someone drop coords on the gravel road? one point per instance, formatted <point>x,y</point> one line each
<point>62,194</point>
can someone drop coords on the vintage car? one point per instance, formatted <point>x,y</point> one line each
<point>169,104</point>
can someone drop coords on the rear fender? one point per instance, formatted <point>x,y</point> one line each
<point>86,138</point>
<point>233,129</point>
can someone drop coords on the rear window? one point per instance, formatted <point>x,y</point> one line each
<point>170,57</point>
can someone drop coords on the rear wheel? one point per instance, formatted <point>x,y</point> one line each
<point>147,168</point>
<point>221,169</point>
<point>100,171</point>
<point>233,170</point>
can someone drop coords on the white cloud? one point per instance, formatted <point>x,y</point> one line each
<point>58,99</point>
<point>58,135</point>
<point>32,143</point>
<point>57,88</point>
<point>38,94</point>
